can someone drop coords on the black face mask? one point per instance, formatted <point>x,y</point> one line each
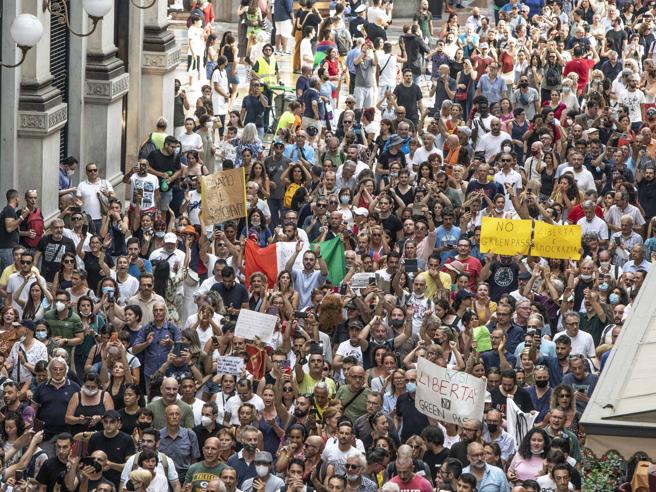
<point>493,428</point>
<point>144,425</point>
<point>542,384</point>
<point>397,323</point>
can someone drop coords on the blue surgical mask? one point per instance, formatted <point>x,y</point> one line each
<point>614,298</point>
<point>411,387</point>
<point>603,287</point>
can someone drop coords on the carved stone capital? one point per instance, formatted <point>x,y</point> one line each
<point>160,62</point>
<point>40,124</point>
<point>106,91</point>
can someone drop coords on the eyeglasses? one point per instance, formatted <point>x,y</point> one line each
<point>221,245</point>
<point>506,160</point>
<point>288,389</point>
<point>350,466</point>
<point>76,218</point>
<point>332,203</point>
<point>25,262</point>
<point>92,170</point>
<point>348,121</point>
<point>322,205</point>
<point>69,261</point>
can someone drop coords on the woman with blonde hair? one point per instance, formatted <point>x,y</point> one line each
<point>140,480</point>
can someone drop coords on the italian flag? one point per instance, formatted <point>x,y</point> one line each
<point>272,259</point>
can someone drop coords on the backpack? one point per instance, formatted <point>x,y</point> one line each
<point>35,222</point>
<point>147,147</point>
<point>31,465</point>
<point>343,41</point>
<point>162,460</point>
<point>552,76</point>
<point>289,195</point>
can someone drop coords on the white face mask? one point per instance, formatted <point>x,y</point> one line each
<point>261,470</point>
<point>206,421</point>
<point>352,477</point>
<point>59,306</point>
<point>90,392</point>
<point>70,172</point>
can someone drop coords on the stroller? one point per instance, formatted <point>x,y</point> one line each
<point>282,96</point>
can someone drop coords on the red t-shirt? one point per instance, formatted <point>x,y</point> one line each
<point>417,484</point>
<point>581,67</point>
<point>577,213</point>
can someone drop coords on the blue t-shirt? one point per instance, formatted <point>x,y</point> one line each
<point>254,111</point>
<point>309,96</point>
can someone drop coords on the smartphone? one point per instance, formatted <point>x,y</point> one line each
<point>342,289</point>
<point>372,280</point>
<point>411,266</point>
<point>416,210</point>
<point>618,240</point>
<point>286,367</point>
<point>18,474</point>
<point>178,347</point>
<point>91,461</point>
<point>467,210</point>
<point>113,337</point>
<point>300,314</point>
<point>110,297</point>
<point>37,425</point>
<point>76,210</point>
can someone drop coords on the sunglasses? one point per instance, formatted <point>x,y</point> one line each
<point>25,262</point>
<point>92,170</point>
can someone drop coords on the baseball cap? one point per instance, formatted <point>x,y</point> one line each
<point>169,237</point>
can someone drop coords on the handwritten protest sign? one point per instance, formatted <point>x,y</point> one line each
<point>505,236</point>
<point>252,325</point>
<point>223,196</point>
<point>229,365</point>
<point>556,241</point>
<point>451,396</point>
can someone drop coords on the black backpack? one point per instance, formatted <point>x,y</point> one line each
<point>552,75</point>
<point>147,147</point>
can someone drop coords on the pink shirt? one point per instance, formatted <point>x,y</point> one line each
<point>417,484</point>
<point>526,469</point>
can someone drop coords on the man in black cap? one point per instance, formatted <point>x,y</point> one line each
<point>116,444</point>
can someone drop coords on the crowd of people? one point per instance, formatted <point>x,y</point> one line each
<point>117,315</point>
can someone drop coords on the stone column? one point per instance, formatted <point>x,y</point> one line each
<point>10,83</point>
<point>160,58</point>
<point>105,85</point>
<point>226,11</point>
<point>41,114</point>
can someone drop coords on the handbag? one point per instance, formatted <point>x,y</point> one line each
<point>461,95</point>
<point>103,200</point>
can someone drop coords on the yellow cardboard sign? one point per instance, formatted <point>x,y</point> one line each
<point>505,236</point>
<point>557,241</point>
<point>223,196</point>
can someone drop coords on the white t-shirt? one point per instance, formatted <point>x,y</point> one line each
<point>195,39</point>
<point>176,256</point>
<point>596,226</point>
<point>388,69</point>
<point>514,179</point>
<point>306,53</point>
<point>149,184</point>
<point>633,101</point>
<point>219,102</point>
<point>233,404</point>
<point>582,343</point>
<point>190,141</point>
<point>159,469</point>
<point>14,284</point>
<point>89,194</point>
<point>193,209</point>
<point>584,179</point>
<point>128,288</point>
<point>491,144</point>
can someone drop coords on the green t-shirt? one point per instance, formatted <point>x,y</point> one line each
<point>200,475</point>
<point>357,407</point>
<point>64,328</point>
<point>483,340</point>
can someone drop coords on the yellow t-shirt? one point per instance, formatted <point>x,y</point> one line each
<point>431,284</point>
<point>286,119</point>
<point>307,385</point>
<point>11,269</point>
